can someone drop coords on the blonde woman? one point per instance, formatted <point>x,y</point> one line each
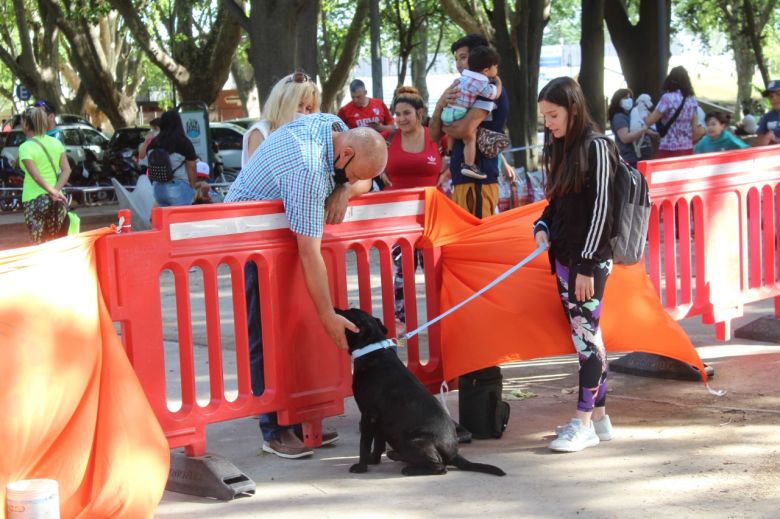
<point>291,97</point>
<point>41,158</point>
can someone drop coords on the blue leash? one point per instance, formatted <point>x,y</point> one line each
<point>499,279</point>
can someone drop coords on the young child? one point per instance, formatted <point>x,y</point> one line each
<point>474,82</point>
<point>718,138</point>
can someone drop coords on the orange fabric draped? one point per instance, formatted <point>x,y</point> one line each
<point>522,318</point>
<point>74,409</point>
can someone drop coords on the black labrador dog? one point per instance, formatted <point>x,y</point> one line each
<point>397,409</point>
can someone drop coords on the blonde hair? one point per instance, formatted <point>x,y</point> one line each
<point>282,103</point>
<point>35,119</point>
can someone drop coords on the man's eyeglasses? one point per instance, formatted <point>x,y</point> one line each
<point>298,77</point>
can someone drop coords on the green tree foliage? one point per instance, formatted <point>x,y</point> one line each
<point>748,26</point>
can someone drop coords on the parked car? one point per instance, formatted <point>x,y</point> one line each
<point>16,121</point>
<point>228,140</point>
<point>84,146</point>
<point>244,122</point>
<point>121,154</point>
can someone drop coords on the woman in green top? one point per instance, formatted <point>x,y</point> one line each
<point>45,206</point>
<point>718,138</point>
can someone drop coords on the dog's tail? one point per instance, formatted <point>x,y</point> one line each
<point>464,464</point>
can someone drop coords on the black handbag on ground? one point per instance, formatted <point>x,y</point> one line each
<point>481,409</point>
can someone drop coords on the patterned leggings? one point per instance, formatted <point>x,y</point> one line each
<point>586,335</point>
<point>44,218</point>
<point>398,281</point>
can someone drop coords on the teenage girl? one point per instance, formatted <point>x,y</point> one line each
<point>576,226</point>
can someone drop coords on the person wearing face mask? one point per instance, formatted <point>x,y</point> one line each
<point>314,165</point>
<point>619,108</point>
<point>291,97</point>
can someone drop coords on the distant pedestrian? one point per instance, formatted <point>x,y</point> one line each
<point>619,108</point>
<point>172,139</point>
<point>769,126</point>
<point>576,225</point>
<point>718,138</point>
<point>676,115</point>
<point>364,110</point>
<point>51,119</point>
<point>46,168</point>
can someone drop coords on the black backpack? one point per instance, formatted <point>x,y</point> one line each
<point>480,407</point>
<point>631,214</point>
<point>160,169</point>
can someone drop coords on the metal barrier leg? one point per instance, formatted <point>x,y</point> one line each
<point>208,476</point>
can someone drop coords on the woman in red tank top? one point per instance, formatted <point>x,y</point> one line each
<point>413,159</point>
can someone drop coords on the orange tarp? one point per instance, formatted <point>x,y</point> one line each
<point>74,409</point>
<point>522,317</point>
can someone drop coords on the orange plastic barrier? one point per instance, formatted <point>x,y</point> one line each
<point>306,380</point>
<point>521,318</point>
<point>726,251</point>
<point>74,409</point>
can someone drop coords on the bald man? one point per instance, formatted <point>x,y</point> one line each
<point>314,165</point>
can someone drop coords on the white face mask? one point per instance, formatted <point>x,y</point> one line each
<point>627,104</point>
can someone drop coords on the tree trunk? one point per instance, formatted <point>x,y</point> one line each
<point>638,46</point>
<point>306,37</point>
<point>533,16</point>
<point>95,70</point>
<point>420,54</point>
<point>746,66</point>
<point>245,82</point>
<point>346,61</point>
<point>197,66</point>
<point>591,77</point>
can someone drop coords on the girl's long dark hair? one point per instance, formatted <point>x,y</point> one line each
<point>565,160</point>
<point>172,135</point>
<point>678,79</point>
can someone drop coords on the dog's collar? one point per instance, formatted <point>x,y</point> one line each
<point>365,350</point>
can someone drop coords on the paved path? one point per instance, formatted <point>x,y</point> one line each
<point>679,452</point>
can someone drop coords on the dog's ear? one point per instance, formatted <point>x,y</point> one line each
<point>381,325</point>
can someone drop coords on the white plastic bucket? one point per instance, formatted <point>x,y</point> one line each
<point>33,499</point>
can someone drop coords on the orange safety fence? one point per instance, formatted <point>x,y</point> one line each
<point>197,255</point>
<point>712,245</point>
<point>521,318</point>
<point>75,411</point>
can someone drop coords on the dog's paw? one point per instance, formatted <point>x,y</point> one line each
<point>358,468</point>
<point>393,455</point>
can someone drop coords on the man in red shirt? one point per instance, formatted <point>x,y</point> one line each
<point>364,110</point>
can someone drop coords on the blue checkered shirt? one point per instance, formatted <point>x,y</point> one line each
<point>295,163</point>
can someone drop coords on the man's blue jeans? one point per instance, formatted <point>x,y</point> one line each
<point>268,424</point>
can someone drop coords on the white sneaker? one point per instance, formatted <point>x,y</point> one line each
<point>603,429</point>
<point>574,437</point>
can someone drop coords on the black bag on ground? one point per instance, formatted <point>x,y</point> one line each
<point>631,215</point>
<point>480,407</point>
<point>160,169</point>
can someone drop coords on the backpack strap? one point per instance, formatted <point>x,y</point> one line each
<point>39,143</point>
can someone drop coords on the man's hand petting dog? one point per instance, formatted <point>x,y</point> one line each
<point>337,325</point>
<point>396,409</point>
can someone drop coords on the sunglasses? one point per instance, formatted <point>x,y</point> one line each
<point>298,77</point>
